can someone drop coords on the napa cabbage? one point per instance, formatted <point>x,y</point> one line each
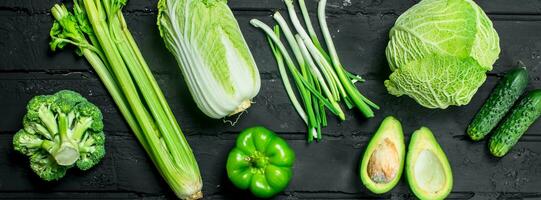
<point>215,60</point>
<point>439,52</point>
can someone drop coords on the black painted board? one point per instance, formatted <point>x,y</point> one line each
<point>323,170</point>
<point>349,6</point>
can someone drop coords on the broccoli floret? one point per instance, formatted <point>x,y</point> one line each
<point>38,111</point>
<point>89,117</point>
<point>45,166</point>
<point>61,131</point>
<point>27,143</point>
<point>92,150</point>
<point>70,95</point>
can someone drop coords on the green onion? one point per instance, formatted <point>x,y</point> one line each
<point>311,31</point>
<point>303,85</point>
<point>358,99</point>
<point>283,73</point>
<point>321,80</point>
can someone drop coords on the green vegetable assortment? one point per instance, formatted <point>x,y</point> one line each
<point>439,53</point>
<point>261,161</point>
<point>61,131</point>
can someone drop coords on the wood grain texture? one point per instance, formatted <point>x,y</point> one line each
<point>323,170</point>
<point>360,6</point>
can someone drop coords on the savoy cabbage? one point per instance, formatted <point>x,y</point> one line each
<point>439,52</point>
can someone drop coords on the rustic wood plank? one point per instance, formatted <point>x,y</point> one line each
<point>360,29</point>
<point>286,196</point>
<point>350,6</point>
<point>77,195</point>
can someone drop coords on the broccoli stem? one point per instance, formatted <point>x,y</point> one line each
<point>83,123</point>
<point>47,117</point>
<point>68,153</point>
<point>43,131</point>
<point>86,145</point>
<point>48,146</point>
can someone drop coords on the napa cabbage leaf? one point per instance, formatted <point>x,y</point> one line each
<point>207,42</point>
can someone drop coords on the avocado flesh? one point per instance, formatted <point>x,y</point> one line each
<point>427,168</point>
<point>429,172</point>
<point>383,160</point>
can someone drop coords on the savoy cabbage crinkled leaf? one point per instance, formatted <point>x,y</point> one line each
<point>437,81</point>
<point>458,30</point>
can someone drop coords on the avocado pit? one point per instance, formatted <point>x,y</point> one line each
<point>384,162</point>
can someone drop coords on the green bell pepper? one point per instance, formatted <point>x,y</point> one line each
<point>261,161</point>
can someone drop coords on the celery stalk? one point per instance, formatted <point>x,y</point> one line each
<point>99,31</point>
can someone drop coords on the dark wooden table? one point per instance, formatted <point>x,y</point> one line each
<point>323,170</point>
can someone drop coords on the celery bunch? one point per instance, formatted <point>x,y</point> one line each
<point>98,29</point>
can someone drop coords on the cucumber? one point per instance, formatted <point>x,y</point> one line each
<point>515,124</point>
<point>502,98</point>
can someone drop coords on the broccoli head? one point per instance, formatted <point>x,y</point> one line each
<point>61,131</point>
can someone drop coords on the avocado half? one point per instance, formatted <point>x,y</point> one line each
<point>427,168</point>
<point>383,160</point>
